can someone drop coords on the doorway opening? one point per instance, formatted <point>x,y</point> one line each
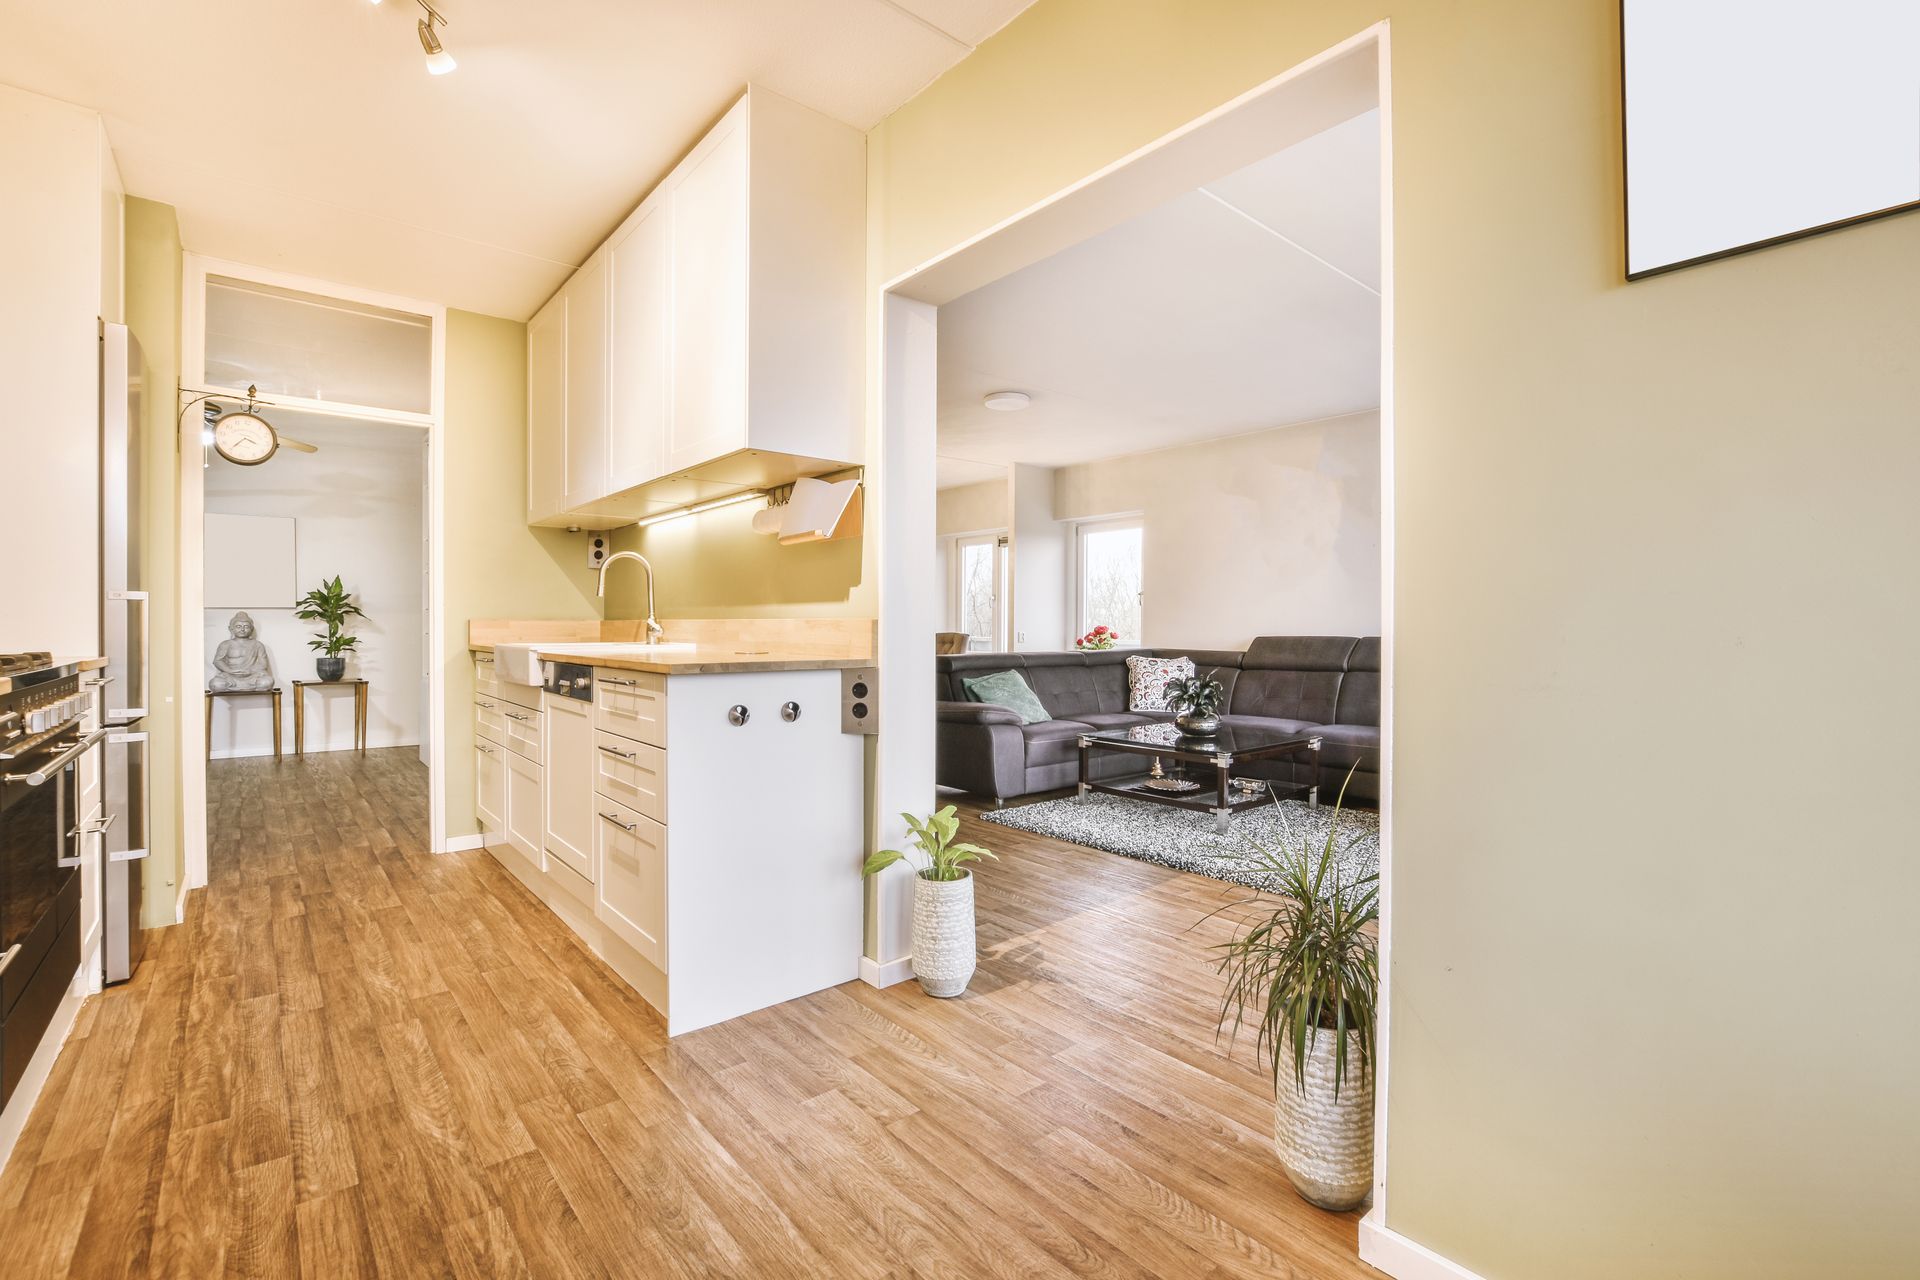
<point>309,566</point>
<point>1298,296</point>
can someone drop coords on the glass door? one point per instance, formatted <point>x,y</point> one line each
<point>980,587</point>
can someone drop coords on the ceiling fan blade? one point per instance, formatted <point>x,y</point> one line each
<point>287,442</point>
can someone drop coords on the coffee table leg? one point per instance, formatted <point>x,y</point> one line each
<point>1080,793</point>
<point>1313,792</point>
<point>1223,814</point>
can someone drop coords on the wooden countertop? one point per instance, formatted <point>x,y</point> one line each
<point>720,646</point>
<point>79,664</point>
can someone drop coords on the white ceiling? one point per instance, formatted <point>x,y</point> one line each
<point>1251,303</point>
<point>308,136</point>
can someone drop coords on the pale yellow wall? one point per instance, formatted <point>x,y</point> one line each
<point>496,567</point>
<point>714,565</point>
<point>971,508</point>
<point>153,314</point>
<point>1274,533</point>
<point>1654,976</point>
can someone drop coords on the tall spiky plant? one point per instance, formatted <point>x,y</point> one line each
<point>1307,964</point>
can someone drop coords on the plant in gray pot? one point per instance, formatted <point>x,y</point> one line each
<point>1197,701</point>
<point>1305,972</point>
<point>329,603</point>
<point>943,948</point>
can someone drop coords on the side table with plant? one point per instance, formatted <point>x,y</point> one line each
<point>943,944</point>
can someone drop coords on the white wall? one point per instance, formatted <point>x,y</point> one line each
<point>59,274</point>
<point>357,511</point>
<point>1041,563</point>
<point>1276,533</point>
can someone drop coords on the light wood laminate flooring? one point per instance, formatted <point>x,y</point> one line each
<point>358,1059</point>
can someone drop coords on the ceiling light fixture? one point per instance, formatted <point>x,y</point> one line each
<point>1007,401</point>
<point>439,61</point>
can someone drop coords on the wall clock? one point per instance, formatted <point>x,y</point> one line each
<point>245,439</point>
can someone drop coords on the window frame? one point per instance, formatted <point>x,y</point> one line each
<point>1104,524</point>
<point>956,586</point>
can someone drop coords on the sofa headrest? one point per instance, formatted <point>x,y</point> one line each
<point>1365,655</point>
<point>1298,653</point>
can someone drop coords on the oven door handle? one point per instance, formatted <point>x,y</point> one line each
<point>52,767</point>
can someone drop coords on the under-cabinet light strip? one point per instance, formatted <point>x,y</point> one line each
<point>694,510</point>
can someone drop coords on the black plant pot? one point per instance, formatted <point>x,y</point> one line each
<point>330,669</point>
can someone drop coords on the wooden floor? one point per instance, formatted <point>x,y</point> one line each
<point>355,1058</point>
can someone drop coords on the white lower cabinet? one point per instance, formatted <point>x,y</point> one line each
<point>569,744</point>
<point>489,786</point>
<point>630,896</point>
<point>524,816</point>
<point>711,859</point>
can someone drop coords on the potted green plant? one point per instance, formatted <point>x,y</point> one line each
<point>1197,701</point>
<point>943,947</point>
<point>329,603</point>
<point>1305,971</point>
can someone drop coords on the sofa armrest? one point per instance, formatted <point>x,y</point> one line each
<point>975,713</point>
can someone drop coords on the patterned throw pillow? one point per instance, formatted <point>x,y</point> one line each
<point>1007,689</point>
<point>1148,678</point>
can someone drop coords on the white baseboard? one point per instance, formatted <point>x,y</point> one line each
<point>460,844</point>
<point>1387,1250</point>
<point>876,974</point>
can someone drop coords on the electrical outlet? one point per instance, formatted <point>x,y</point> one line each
<point>596,550</point>
<point>1019,637</point>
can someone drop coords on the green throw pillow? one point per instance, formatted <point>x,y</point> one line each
<point>1007,689</point>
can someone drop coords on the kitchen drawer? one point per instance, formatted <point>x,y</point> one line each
<point>490,721</point>
<point>631,773</point>
<point>632,704</point>
<point>630,893</point>
<point>523,731</point>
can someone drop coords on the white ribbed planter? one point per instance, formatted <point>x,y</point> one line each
<point>943,955</point>
<point>1326,1146</point>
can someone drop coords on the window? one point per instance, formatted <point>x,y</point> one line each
<point>1110,553</point>
<point>980,590</point>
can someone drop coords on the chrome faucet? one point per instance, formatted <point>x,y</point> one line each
<point>654,630</point>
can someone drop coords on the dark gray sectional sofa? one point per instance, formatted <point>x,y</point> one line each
<point>1329,684</point>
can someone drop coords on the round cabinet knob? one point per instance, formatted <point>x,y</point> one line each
<point>789,711</point>
<point>737,715</point>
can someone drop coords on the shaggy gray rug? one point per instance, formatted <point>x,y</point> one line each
<point>1184,839</point>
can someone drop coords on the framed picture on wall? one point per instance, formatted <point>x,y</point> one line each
<point>1752,122</point>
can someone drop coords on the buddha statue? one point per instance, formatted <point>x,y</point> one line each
<point>241,663</point>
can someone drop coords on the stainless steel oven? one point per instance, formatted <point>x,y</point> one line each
<point>42,741</point>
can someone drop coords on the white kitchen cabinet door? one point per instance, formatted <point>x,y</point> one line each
<point>524,816</point>
<point>523,730</point>
<point>569,781</point>
<point>630,897</point>
<point>639,346</point>
<point>584,476</point>
<point>489,786</point>
<point>709,251</point>
<point>546,407</point>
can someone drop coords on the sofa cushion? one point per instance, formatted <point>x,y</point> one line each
<point>1107,670</point>
<point>1121,719</point>
<point>1344,745</point>
<point>1148,678</point>
<point>1292,677</point>
<point>1053,741</point>
<point>1006,689</point>
<point>1270,724</point>
<point>1066,684</point>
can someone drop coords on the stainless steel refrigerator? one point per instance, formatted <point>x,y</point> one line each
<point>125,622</point>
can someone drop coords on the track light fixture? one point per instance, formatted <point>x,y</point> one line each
<point>439,61</point>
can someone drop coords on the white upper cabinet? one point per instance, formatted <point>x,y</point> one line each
<point>584,476</point>
<point>715,341</point>
<point>710,298</point>
<point>639,346</point>
<point>546,408</point>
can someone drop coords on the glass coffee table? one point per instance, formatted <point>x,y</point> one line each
<point>1218,754</point>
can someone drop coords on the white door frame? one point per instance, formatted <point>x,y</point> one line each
<point>1299,102</point>
<point>191,565</point>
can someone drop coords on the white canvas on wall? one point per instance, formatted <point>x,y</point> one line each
<point>250,562</point>
<point>1753,121</point>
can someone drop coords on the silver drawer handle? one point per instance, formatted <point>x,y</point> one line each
<point>478,747</point>
<point>482,660</point>
<point>98,682</point>
<point>483,702</point>
<point>625,684</point>
<point>59,762</point>
<point>624,826</point>
<point>511,716</point>
<point>624,755</point>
